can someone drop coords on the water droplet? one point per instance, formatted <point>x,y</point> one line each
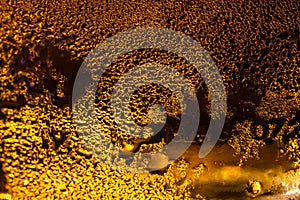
<point>61,96</point>
<point>6,46</point>
<point>29,35</point>
<point>22,62</point>
<point>31,85</point>
<point>83,25</point>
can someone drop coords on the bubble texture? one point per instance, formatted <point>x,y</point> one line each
<point>255,46</point>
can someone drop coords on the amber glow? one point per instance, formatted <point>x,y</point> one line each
<point>255,47</point>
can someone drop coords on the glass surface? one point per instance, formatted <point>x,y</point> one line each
<point>49,151</point>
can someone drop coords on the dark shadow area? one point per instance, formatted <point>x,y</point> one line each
<point>63,63</point>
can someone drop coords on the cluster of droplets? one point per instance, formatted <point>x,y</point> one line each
<point>254,45</point>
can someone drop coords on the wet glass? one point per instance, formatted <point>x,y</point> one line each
<point>46,152</point>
